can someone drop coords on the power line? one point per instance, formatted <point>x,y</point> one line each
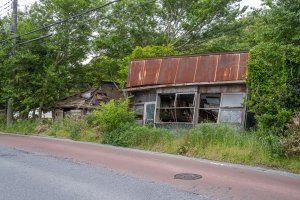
<point>59,22</point>
<point>5,4</point>
<point>65,20</point>
<point>5,8</point>
<point>5,12</point>
<point>35,39</point>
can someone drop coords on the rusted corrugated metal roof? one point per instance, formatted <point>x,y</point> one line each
<point>213,67</point>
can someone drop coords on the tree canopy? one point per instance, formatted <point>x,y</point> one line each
<point>274,65</point>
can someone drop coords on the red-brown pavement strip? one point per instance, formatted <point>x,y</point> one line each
<point>220,180</point>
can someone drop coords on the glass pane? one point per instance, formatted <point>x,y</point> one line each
<point>232,100</point>
<point>167,100</point>
<point>150,108</point>
<point>208,116</point>
<point>210,100</point>
<point>185,115</point>
<point>232,116</point>
<point>185,100</point>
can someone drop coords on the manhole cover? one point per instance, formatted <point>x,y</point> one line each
<point>187,176</point>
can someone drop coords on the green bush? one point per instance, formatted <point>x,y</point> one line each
<point>112,115</point>
<point>273,78</point>
<point>117,136</point>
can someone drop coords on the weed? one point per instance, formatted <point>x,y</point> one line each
<point>22,126</point>
<point>76,129</point>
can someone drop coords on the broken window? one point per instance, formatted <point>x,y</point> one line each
<point>167,100</point>
<point>167,108</point>
<point>208,116</point>
<point>176,107</point>
<point>209,108</point>
<point>185,100</point>
<point>227,107</point>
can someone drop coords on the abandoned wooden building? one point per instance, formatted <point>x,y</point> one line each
<point>85,102</point>
<point>182,91</point>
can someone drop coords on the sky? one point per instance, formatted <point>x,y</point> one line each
<point>251,3</point>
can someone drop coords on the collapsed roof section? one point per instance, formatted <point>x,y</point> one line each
<point>88,99</point>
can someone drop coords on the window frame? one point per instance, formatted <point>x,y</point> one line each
<point>145,111</point>
<point>222,108</point>
<point>158,107</point>
<point>232,109</point>
<point>241,107</point>
<point>214,108</point>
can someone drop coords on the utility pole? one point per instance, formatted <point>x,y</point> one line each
<point>14,24</point>
<point>14,17</point>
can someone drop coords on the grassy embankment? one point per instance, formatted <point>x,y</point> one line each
<point>217,142</point>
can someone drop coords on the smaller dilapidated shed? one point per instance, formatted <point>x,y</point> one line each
<point>182,91</point>
<point>82,103</point>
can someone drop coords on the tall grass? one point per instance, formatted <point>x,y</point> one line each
<point>76,129</point>
<point>29,126</point>
<point>136,136</point>
<point>225,142</point>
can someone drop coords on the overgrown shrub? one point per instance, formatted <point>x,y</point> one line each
<point>273,71</point>
<point>117,137</point>
<point>112,115</point>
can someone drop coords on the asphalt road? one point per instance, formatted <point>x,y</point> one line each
<point>31,176</point>
<point>64,169</point>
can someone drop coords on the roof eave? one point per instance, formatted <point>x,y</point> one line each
<point>129,89</point>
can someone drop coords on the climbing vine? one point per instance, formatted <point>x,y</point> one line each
<point>273,78</point>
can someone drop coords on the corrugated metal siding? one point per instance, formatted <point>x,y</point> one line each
<point>168,71</point>
<point>188,69</point>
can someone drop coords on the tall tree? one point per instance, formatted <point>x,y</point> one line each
<point>43,71</point>
<point>274,66</point>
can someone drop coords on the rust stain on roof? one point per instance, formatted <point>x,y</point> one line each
<point>213,67</point>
